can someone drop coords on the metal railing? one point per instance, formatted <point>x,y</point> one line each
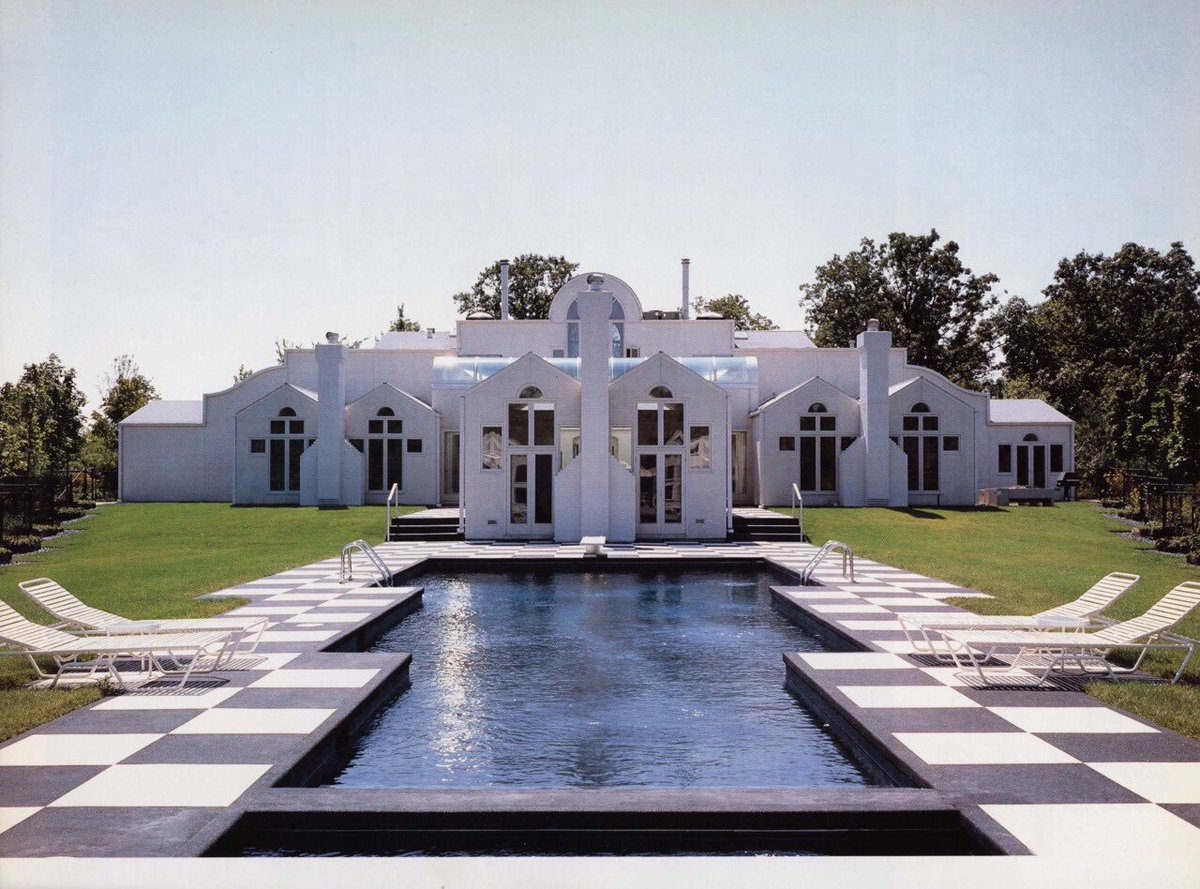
<point>798,498</point>
<point>830,546</point>
<point>385,578</point>
<point>393,497</point>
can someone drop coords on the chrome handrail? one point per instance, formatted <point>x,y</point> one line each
<point>393,495</point>
<point>347,561</point>
<point>828,547</point>
<point>797,497</point>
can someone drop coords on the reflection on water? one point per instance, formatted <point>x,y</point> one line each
<point>613,679</point>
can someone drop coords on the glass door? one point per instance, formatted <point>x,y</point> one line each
<point>531,495</point>
<point>450,458</point>
<point>660,494</point>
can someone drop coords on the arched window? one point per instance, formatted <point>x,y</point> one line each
<point>531,392</point>
<point>1030,437</point>
<point>818,447</point>
<point>922,444</point>
<point>817,408</point>
<point>286,412</point>
<point>385,412</point>
<point>617,329</point>
<point>385,451</point>
<point>920,408</point>
<point>661,392</point>
<point>285,444</point>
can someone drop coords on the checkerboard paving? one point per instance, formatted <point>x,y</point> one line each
<point>1033,760</point>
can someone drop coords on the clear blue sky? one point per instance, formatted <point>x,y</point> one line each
<point>186,182</point>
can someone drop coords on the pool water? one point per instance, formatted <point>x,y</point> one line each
<point>610,678</point>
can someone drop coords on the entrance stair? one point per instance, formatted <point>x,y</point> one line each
<point>428,524</point>
<point>761,524</point>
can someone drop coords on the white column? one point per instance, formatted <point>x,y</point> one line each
<point>873,345</point>
<point>595,348</point>
<point>331,421</point>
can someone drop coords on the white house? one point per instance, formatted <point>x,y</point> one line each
<point>605,419</point>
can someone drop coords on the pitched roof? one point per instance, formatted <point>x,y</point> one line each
<point>159,413</point>
<point>1024,410</point>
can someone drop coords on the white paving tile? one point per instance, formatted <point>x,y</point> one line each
<point>947,676</point>
<point>981,748</point>
<point>854,660</point>
<point>11,816</point>
<point>300,597</point>
<point>898,646</point>
<point>297,635</point>
<point>877,625</point>
<point>353,603</point>
<point>864,588</point>
<point>1072,720</point>
<point>267,610</point>
<point>44,749</point>
<point>255,721</point>
<point>185,784</point>
<point>1114,831</point>
<point>328,617</point>
<point>913,601</point>
<point>848,609</point>
<point>934,697</point>
<point>817,593</point>
<point>1159,782</point>
<point>181,700</point>
<point>337,678</point>
<point>269,661</point>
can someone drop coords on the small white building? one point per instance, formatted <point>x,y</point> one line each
<point>605,419</point>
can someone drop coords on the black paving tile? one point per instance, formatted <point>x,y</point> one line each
<point>39,785</point>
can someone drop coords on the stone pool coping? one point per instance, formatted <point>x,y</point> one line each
<point>169,777</point>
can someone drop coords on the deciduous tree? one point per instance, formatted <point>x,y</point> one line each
<point>41,423</point>
<point>736,307</point>
<point>403,324</point>
<point>532,282</point>
<point>124,390</point>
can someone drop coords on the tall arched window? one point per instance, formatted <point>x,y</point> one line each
<point>616,328</point>
<point>818,449</point>
<point>531,392</point>
<point>285,442</point>
<point>385,451</point>
<point>922,445</point>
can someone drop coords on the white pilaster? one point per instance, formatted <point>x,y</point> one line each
<point>595,348</point>
<point>873,345</point>
<point>331,422</point>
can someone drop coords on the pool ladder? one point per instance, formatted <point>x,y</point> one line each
<point>830,546</point>
<point>385,576</point>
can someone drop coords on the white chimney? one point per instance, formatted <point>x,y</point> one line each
<point>683,312</point>
<point>504,290</point>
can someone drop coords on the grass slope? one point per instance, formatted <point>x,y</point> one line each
<point>1030,559</point>
<point>147,560</point>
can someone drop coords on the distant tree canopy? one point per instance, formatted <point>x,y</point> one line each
<point>933,305</point>
<point>243,373</point>
<point>124,390</point>
<point>41,425</point>
<point>282,344</point>
<point>737,308</point>
<point>532,282</point>
<point>1116,347</point>
<point>403,324</point>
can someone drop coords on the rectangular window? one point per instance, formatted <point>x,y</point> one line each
<point>375,464</point>
<point>1056,458</point>
<point>1039,466</point>
<point>492,448</point>
<point>700,453</point>
<point>912,449</point>
<point>673,424</point>
<point>414,445</point>
<point>277,463</point>
<point>808,424</point>
<point>929,424</point>
<point>929,460</point>
<point>543,425</point>
<point>828,424</point>
<point>633,352</point>
<point>278,427</point>
<point>1004,459</point>
<point>911,424</point>
<point>558,353</point>
<point>518,425</point>
<point>357,444</point>
<point>828,463</point>
<point>296,427</point>
<point>375,427</point>
<point>543,489</point>
<point>258,446</point>
<point>647,425</point>
<point>847,440</point>
<point>568,444</point>
<point>787,442</point>
<point>295,449</point>
<point>950,443</point>
<point>395,427</point>
<point>808,463</point>
<point>395,464</point>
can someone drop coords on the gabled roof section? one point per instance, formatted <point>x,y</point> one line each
<point>1024,411</point>
<point>652,367</point>
<point>938,382</point>
<point>521,369</point>
<point>303,393</point>
<point>821,390</point>
<point>167,413</point>
<point>400,392</point>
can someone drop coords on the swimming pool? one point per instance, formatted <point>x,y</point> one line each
<point>646,678</point>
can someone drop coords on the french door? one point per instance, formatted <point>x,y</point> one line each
<point>660,494</point>
<point>531,494</point>
<point>1031,464</point>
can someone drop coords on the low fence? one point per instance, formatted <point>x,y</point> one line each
<point>29,500</point>
<point>1170,504</point>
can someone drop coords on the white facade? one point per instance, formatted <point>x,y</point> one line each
<point>605,419</point>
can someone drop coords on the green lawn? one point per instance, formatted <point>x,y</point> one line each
<point>148,560</point>
<point>1031,558</point>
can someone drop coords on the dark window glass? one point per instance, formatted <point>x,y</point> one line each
<point>1030,437</point>
<point>950,443</point>
<point>543,426</point>
<point>648,488</point>
<point>1022,464</point>
<point>700,454</point>
<point>395,464</point>
<point>847,440</point>
<point>491,448</point>
<point>258,446</point>
<point>787,442</point>
<point>929,424</point>
<point>311,442</point>
<point>661,392</point>
<point>808,424</point>
<point>808,463</point>
<point>828,463</point>
<point>929,460</point>
<point>385,412</point>
<point>647,426</point>
<point>287,412</point>
<point>920,408</point>
<point>828,424</point>
<point>414,445</point>
<point>395,427</point>
<point>673,489</point>
<point>518,424</point>
<point>295,449</point>
<point>375,465</point>
<point>277,461</point>
<point>530,392</point>
<point>911,424</point>
<point>673,424</point>
<point>1056,458</point>
<point>543,488</point>
<point>816,408</point>
<point>895,439</point>
<point>518,503</point>
<point>278,427</point>
<point>357,444</point>
<point>296,427</point>
<point>1039,466</point>
<point>912,450</point>
<point>1004,459</point>
<point>375,427</point>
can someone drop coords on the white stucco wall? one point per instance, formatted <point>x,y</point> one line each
<point>420,476</point>
<point>252,471</point>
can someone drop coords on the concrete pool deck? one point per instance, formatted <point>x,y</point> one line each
<point>166,774</point>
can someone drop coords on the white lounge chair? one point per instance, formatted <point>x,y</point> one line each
<point>1074,615</point>
<point>163,653</point>
<point>1086,653</point>
<point>54,598</point>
